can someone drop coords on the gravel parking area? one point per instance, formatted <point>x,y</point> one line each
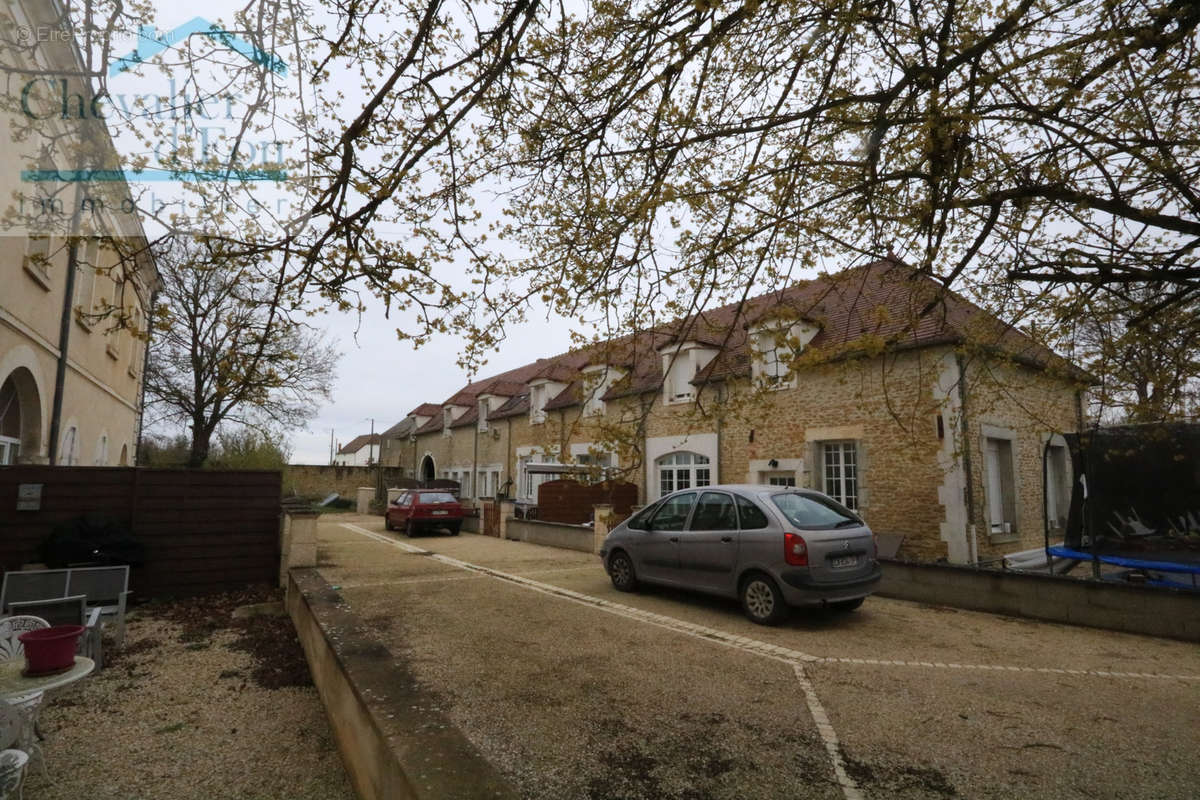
<point>574,690</point>
<point>197,704</point>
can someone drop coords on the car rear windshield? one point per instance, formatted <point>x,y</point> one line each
<point>436,497</point>
<point>813,512</point>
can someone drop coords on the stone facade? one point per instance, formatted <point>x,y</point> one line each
<point>883,432</point>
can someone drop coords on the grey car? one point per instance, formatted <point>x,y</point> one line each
<point>772,547</point>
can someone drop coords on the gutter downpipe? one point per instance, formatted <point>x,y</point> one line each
<point>64,333</point>
<point>137,443</point>
<point>475,458</point>
<point>973,541</point>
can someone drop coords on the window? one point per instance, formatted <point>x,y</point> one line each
<point>641,520</point>
<point>673,514</point>
<point>682,471</point>
<point>10,423</point>
<point>1058,486</point>
<point>483,414</point>
<point>781,478</point>
<point>714,512</point>
<point>680,370</point>
<point>68,453</point>
<point>102,451</point>
<point>998,470</point>
<point>87,259</point>
<point>37,255</point>
<point>537,403</point>
<point>447,418</point>
<point>596,382</point>
<point>774,357</point>
<point>839,470</point>
<point>814,513</point>
<point>135,333</point>
<point>751,516</point>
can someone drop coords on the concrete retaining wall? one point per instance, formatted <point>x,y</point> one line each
<point>394,744</point>
<point>1150,610</point>
<point>551,534</point>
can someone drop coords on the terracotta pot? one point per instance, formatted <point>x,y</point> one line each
<point>50,649</point>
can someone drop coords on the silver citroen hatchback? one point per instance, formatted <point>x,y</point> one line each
<point>772,547</point>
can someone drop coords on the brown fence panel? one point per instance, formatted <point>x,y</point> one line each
<point>490,518</point>
<point>202,530</point>
<point>571,502</point>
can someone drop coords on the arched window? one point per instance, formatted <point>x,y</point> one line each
<point>68,454</point>
<point>10,423</point>
<point>102,451</point>
<point>682,471</point>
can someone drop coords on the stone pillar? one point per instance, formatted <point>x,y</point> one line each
<point>298,540</point>
<point>507,509</point>
<point>365,495</point>
<point>601,516</point>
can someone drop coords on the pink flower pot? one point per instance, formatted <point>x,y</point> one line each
<point>50,649</point>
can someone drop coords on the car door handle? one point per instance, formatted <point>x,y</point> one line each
<point>673,539</point>
<point>726,538</point>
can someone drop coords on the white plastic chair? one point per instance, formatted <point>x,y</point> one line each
<point>27,706</point>
<point>12,762</point>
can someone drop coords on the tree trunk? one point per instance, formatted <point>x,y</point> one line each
<point>200,447</point>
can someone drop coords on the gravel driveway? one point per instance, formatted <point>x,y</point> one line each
<point>576,691</point>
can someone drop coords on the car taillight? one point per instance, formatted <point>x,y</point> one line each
<point>795,551</point>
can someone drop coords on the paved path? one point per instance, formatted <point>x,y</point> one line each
<point>576,690</point>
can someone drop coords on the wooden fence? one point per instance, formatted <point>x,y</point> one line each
<point>202,531</point>
<point>571,502</point>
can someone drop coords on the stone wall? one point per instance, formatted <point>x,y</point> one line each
<point>1153,611</point>
<point>318,481</point>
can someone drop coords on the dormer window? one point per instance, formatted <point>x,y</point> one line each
<point>597,380</point>
<point>447,418</point>
<point>774,349</point>
<point>680,365</point>
<point>537,403</point>
<point>484,409</point>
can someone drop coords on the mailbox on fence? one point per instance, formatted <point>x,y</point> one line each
<point>571,502</point>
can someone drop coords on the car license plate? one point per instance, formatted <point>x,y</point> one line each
<point>440,513</point>
<point>843,561</point>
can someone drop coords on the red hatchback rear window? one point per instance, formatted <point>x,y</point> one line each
<point>435,497</point>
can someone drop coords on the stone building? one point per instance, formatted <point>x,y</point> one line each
<point>76,277</point>
<point>926,415</point>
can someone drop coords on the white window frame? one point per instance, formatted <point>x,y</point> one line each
<point>1059,478</point>
<point>1000,483</point>
<point>537,403</point>
<point>841,478</point>
<point>682,469</point>
<point>597,380</point>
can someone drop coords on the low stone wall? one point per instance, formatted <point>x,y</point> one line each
<point>319,480</point>
<point>1150,610</point>
<point>551,534</point>
<point>394,744</point>
<point>470,524</point>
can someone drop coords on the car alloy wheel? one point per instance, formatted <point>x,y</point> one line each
<point>408,529</point>
<point>620,569</point>
<point>762,601</point>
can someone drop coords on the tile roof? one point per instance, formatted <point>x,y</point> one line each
<point>514,407</point>
<point>426,410</point>
<point>468,417</point>
<point>432,426</point>
<point>570,396</point>
<point>876,304</point>
<point>358,443</point>
<point>401,429</point>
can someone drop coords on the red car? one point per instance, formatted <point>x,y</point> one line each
<point>424,509</point>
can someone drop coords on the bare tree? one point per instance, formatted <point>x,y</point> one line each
<point>225,351</point>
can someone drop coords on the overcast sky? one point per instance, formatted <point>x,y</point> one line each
<point>378,376</point>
